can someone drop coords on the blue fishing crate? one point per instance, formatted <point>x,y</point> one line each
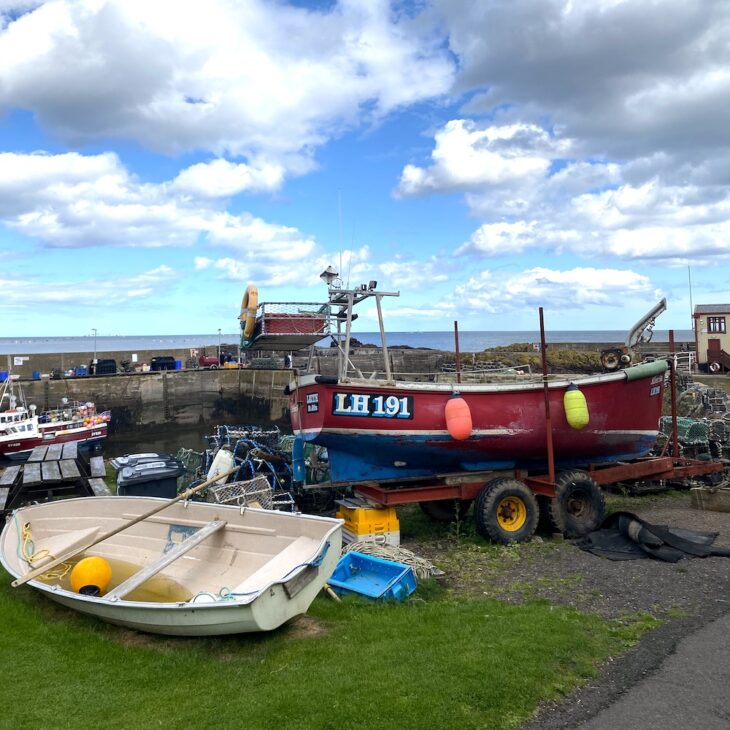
<point>366,575</point>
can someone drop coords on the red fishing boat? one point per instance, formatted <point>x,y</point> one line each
<point>386,429</point>
<point>22,428</point>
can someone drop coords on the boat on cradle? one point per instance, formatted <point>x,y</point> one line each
<point>194,568</point>
<point>22,428</point>
<point>387,429</point>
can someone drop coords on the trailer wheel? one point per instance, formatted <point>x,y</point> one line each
<point>578,506</point>
<point>446,510</point>
<point>506,511</point>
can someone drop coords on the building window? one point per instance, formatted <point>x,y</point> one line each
<point>716,324</point>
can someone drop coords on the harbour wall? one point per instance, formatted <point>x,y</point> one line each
<point>173,398</point>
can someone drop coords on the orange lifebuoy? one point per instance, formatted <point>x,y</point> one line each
<point>714,367</point>
<point>249,305</point>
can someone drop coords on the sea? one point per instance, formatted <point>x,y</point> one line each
<point>469,341</point>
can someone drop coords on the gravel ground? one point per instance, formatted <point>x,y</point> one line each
<point>685,595</point>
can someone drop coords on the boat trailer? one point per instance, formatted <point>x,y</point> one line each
<point>509,502</point>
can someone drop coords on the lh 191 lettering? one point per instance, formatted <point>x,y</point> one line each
<point>371,405</point>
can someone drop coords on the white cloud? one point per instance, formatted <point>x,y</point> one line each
<point>247,78</point>
<point>573,288</point>
<point>75,201</point>
<point>221,179</point>
<point>467,155</point>
<point>27,294</point>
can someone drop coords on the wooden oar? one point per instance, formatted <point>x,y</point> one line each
<point>73,553</point>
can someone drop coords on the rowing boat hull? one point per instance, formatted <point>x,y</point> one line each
<point>374,431</point>
<point>273,563</point>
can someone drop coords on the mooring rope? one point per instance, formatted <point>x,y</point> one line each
<point>421,567</point>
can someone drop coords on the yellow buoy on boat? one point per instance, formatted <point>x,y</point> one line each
<point>576,407</point>
<point>458,418</point>
<point>91,576</point>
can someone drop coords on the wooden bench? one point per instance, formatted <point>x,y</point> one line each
<point>31,474</point>
<point>97,467</point>
<point>9,476</point>
<point>50,471</point>
<point>69,469</point>
<point>38,453</point>
<point>99,487</point>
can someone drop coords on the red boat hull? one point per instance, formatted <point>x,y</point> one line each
<point>374,431</point>
<point>20,448</point>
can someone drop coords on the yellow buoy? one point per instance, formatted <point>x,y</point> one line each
<point>576,408</point>
<point>91,576</point>
<point>458,418</point>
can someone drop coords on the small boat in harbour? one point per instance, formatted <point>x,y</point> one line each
<point>185,568</point>
<point>22,427</point>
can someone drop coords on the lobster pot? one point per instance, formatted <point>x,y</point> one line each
<point>255,492</point>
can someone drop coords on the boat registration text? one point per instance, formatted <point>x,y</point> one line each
<point>372,405</point>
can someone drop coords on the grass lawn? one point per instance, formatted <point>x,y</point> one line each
<point>432,662</point>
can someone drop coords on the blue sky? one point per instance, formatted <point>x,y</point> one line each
<point>482,158</point>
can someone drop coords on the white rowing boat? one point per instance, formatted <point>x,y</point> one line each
<point>190,568</point>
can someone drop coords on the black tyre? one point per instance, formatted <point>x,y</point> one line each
<point>214,367</point>
<point>506,511</point>
<point>578,506</point>
<point>446,510</point>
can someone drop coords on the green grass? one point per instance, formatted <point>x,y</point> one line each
<point>432,662</point>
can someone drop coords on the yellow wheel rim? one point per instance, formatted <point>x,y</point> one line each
<point>511,514</point>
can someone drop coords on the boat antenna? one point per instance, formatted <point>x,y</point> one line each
<point>339,225</point>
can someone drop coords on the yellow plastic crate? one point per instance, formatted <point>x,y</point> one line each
<point>369,520</point>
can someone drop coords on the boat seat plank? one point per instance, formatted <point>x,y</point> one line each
<point>54,452</point>
<point>70,450</point>
<point>50,471</point>
<point>38,453</point>
<point>96,464</point>
<point>69,469</point>
<point>32,474</point>
<point>299,551</point>
<point>164,560</point>
<point>99,487</point>
<point>4,491</point>
<point>9,476</point>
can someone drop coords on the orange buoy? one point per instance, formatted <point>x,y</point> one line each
<point>91,576</point>
<point>458,418</point>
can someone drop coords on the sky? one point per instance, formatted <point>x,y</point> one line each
<point>483,158</point>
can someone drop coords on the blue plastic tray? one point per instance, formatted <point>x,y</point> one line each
<point>365,575</point>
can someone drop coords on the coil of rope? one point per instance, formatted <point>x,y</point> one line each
<point>421,567</point>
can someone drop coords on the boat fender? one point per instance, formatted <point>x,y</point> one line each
<point>576,407</point>
<point>714,367</point>
<point>458,418</point>
<point>326,379</point>
<point>222,462</point>
<point>299,468</point>
<point>91,576</point>
<point>249,304</point>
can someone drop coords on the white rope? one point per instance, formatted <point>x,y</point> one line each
<point>421,567</point>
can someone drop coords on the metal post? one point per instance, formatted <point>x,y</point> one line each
<point>386,358</point>
<point>458,356</point>
<point>219,346</point>
<point>93,329</point>
<point>548,420</point>
<point>348,331</point>
<point>673,394</point>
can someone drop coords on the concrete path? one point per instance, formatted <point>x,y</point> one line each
<point>691,688</point>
